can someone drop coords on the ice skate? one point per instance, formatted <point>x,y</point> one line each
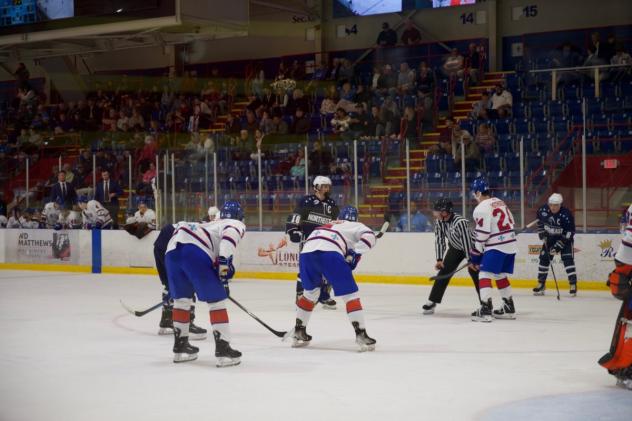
<point>329,304</point>
<point>166,321</point>
<point>226,356</point>
<point>429,307</point>
<point>573,290</point>
<point>483,314</point>
<point>364,341</point>
<point>182,350</point>
<point>506,311</point>
<point>196,333</point>
<point>299,335</point>
<point>539,290</point>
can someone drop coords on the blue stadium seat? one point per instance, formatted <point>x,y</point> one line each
<point>492,162</point>
<point>435,180</point>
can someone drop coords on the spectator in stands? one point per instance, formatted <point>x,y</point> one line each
<point>279,126</point>
<point>300,123</point>
<point>144,188</point>
<point>425,78</point>
<point>473,61</point>
<point>459,135</point>
<point>391,115</point>
<point>298,169</point>
<point>251,124</point>
<point>387,37</point>
<point>70,176</point>
<point>340,122</point>
<point>297,100</point>
<point>480,107</point>
<point>423,107</point>
<point>621,57</point>
<point>411,35</point>
<point>194,149</point>
<point>107,193</point>
<point>453,64</point>
<point>63,192</point>
<point>147,155</point>
<point>472,153</point>
<point>597,52</point>
<point>418,221</point>
<point>245,145</point>
<point>22,75</point>
<point>232,126</point>
<point>27,96</point>
<point>609,48</point>
<point>485,139</point>
<point>320,159</point>
<point>405,79</point>
<point>136,121</point>
<point>346,73</point>
<point>109,120</point>
<point>387,83</point>
<point>502,102</point>
<point>566,57</point>
<point>122,124</point>
<point>373,126</point>
<point>408,125</point>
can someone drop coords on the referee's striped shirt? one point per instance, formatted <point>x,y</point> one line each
<point>456,231</point>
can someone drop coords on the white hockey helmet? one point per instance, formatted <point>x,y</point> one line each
<point>556,199</point>
<point>213,213</point>
<point>321,180</point>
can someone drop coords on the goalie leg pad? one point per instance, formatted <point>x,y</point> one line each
<point>620,280</point>
<point>620,355</point>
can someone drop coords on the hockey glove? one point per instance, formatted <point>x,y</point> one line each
<point>475,258</point>
<point>98,225</point>
<point>296,236</point>
<point>558,247</point>
<point>225,269</point>
<point>353,259</point>
<point>542,235</point>
<point>89,226</point>
<point>57,226</point>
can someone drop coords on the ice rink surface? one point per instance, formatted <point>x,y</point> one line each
<point>70,352</point>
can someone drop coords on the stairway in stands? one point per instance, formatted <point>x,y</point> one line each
<point>394,180</point>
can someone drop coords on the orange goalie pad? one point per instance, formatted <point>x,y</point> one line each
<point>619,280</point>
<point>622,355</point>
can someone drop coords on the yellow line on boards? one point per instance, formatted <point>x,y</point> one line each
<point>290,276</point>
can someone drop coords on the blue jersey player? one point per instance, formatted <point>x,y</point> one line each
<point>313,211</point>
<point>556,228</point>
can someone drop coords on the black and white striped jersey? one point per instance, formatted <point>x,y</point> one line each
<point>457,233</point>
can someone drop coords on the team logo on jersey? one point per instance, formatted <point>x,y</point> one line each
<point>607,250</point>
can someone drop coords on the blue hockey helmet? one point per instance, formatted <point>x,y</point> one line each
<point>231,209</point>
<point>479,185</point>
<point>349,213</point>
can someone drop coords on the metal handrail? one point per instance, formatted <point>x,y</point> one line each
<point>558,69</point>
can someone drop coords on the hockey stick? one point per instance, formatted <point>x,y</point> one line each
<point>382,230</point>
<point>140,313</point>
<point>449,275</point>
<point>280,334</point>
<point>546,249</point>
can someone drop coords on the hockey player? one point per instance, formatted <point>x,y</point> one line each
<point>454,229</point>
<point>313,210</point>
<point>73,220</point>
<point>29,220</point>
<point>51,216</point>
<point>331,252</point>
<point>145,215</point>
<point>200,260</point>
<point>619,360</point>
<point>94,214</point>
<point>15,220</point>
<point>494,252</point>
<point>166,320</point>
<point>556,228</point>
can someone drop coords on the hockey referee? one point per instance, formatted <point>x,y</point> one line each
<point>453,228</point>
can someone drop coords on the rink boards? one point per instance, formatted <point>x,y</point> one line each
<point>404,258</point>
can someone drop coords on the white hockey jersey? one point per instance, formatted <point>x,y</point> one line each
<point>624,254</point>
<point>149,217</point>
<point>74,220</point>
<point>51,215</point>
<point>494,227</point>
<point>216,238</point>
<point>340,236</point>
<point>94,214</point>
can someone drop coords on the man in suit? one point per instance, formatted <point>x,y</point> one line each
<point>107,193</point>
<point>63,192</point>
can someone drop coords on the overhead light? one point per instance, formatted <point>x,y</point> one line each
<point>119,10</point>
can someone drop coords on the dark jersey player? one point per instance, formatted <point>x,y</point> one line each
<point>313,211</point>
